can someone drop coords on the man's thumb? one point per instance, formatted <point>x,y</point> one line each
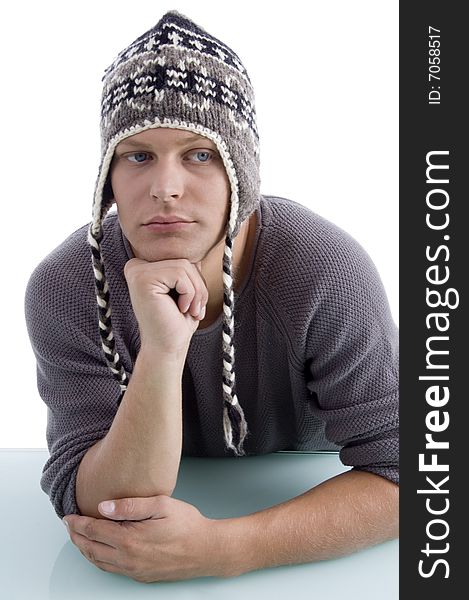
<point>130,509</point>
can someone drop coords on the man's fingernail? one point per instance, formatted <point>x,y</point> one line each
<point>66,524</point>
<point>108,507</point>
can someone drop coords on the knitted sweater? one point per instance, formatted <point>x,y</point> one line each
<point>316,350</point>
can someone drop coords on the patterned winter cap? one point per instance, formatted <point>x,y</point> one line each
<point>177,75</point>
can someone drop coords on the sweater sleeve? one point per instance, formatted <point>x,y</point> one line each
<point>72,377</point>
<point>352,363</point>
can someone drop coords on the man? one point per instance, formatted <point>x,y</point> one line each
<point>196,255</point>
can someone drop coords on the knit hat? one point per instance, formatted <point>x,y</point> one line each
<point>177,75</point>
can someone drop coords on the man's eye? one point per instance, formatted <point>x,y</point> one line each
<point>202,155</point>
<point>139,157</point>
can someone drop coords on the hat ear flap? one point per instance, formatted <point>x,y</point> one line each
<point>108,194</point>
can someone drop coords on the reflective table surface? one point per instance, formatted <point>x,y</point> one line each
<point>38,561</point>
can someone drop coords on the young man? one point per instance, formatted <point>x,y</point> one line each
<point>196,263</point>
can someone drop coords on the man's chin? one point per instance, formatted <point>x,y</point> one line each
<point>157,257</point>
<point>152,255</point>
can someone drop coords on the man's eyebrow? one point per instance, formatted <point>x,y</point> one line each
<point>186,140</point>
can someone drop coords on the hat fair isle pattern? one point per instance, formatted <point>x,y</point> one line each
<point>177,75</point>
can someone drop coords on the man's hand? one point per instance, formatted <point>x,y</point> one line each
<point>164,322</point>
<point>174,541</point>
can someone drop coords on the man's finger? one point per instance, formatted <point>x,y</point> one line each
<point>135,509</point>
<point>199,269</point>
<point>95,552</point>
<point>97,530</point>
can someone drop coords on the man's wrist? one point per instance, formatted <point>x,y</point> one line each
<point>234,546</point>
<point>152,354</point>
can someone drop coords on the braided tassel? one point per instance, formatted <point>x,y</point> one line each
<point>104,309</point>
<point>233,415</point>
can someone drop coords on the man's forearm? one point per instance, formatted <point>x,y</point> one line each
<point>140,454</point>
<point>344,514</point>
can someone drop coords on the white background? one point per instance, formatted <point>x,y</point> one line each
<point>326,81</point>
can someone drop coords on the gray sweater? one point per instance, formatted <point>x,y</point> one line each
<point>316,350</point>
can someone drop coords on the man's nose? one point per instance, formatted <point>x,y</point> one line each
<point>167,179</point>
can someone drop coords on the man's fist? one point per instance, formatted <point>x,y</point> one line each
<point>168,298</point>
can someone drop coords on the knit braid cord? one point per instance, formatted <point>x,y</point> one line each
<point>95,235</point>
<point>234,423</point>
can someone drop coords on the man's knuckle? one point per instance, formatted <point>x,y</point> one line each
<point>142,578</point>
<point>128,506</point>
<point>89,530</point>
<point>130,566</point>
<point>164,503</point>
<point>129,544</point>
<point>202,278</point>
<point>87,552</point>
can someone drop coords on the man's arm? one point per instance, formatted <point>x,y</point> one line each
<point>140,454</point>
<point>342,515</point>
<point>165,539</point>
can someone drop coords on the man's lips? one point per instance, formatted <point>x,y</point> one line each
<point>168,219</point>
<point>175,226</point>
<point>156,221</point>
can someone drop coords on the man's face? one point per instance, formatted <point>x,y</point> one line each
<point>165,172</point>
